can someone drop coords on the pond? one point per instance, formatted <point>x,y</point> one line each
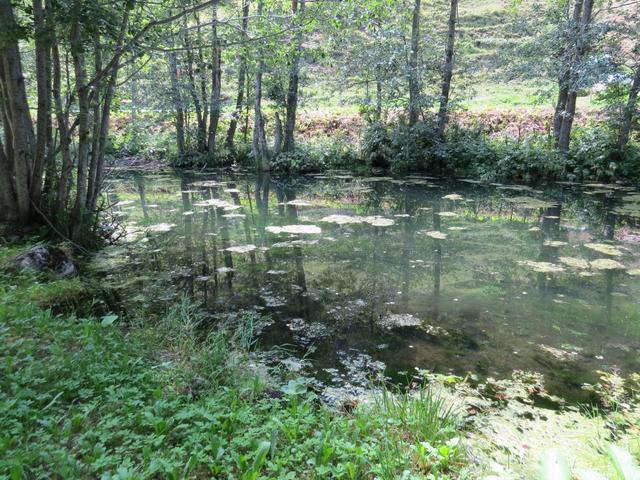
<point>358,276</point>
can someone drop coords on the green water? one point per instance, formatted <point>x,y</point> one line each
<point>447,276</point>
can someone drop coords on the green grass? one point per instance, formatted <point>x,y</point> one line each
<point>146,397</point>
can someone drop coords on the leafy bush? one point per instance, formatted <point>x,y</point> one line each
<point>376,146</point>
<point>594,154</point>
<point>313,158</point>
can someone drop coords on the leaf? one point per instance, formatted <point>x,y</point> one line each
<point>626,466</point>
<point>554,467</point>
<point>261,456</point>
<point>295,387</point>
<point>109,319</point>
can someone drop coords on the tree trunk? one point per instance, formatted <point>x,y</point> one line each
<point>260,149</point>
<point>43,83</point>
<point>629,111</point>
<point>62,120</point>
<point>216,81</point>
<point>242,75</point>
<point>78,54</point>
<point>570,111</point>
<point>565,79</point>
<point>294,79</point>
<point>178,105</point>
<point>414,84</point>
<point>447,73</point>
<point>20,148</point>
<point>201,133</point>
<point>277,141</point>
<point>378,92</point>
<point>105,115</point>
<point>95,134</point>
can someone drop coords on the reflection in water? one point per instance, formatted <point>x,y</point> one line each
<point>360,289</point>
<point>139,179</point>
<point>437,258</point>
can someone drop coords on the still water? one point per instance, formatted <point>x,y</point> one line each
<point>356,276</point>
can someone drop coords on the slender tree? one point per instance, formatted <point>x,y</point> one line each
<point>216,80</point>
<point>414,82</point>
<point>629,111</point>
<point>260,149</point>
<point>242,78</point>
<point>447,71</point>
<point>297,12</point>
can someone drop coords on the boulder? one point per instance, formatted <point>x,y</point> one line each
<point>46,258</point>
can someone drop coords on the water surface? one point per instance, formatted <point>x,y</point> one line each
<point>378,275</point>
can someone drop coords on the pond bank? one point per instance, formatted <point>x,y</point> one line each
<point>143,395</point>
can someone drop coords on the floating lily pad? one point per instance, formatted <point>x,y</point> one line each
<point>294,229</point>
<point>276,272</point>
<point>453,197</point>
<point>435,234</point>
<point>342,219</point>
<point>628,210</point>
<point>213,202</point>
<point>448,214</point>
<point>206,184</point>
<point>161,227</point>
<point>299,203</point>
<point>606,264</point>
<point>399,320</point>
<point>542,267</point>
<point>377,179</point>
<point>604,248</point>
<point>535,229</point>
<point>574,262</point>
<point>634,271</point>
<point>231,208</point>
<point>554,243</point>
<point>294,243</point>
<point>529,202</point>
<point>379,221</point>
<point>241,249</point>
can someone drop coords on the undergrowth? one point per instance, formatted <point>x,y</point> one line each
<point>158,397</point>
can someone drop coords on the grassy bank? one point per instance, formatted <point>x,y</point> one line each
<point>154,397</point>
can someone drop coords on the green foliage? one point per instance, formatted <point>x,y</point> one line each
<point>376,146</point>
<point>317,157</point>
<point>470,152</point>
<point>149,397</point>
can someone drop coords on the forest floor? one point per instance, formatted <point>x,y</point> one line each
<point>85,393</point>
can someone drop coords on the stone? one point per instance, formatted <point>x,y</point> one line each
<point>47,258</point>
